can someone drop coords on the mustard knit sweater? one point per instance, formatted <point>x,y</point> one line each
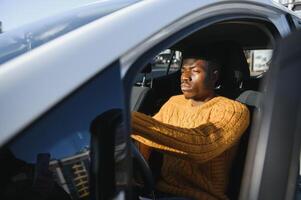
<point>199,143</point>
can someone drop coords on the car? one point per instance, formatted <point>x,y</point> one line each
<point>68,84</point>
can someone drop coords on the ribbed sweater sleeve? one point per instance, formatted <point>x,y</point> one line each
<point>201,143</point>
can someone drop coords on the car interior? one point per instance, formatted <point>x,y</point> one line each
<point>239,79</point>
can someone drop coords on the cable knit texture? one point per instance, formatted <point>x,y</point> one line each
<point>199,143</point>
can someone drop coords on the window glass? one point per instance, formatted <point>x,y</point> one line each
<point>52,157</point>
<point>166,62</point>
<point>259,61</point>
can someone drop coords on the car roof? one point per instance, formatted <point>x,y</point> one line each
<point>26,38</point>
<point>35,81</point>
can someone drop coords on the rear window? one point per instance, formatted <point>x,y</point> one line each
<point>259,61</point>
<point>167,61</point>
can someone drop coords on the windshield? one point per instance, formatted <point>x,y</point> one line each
<point>23,39</point>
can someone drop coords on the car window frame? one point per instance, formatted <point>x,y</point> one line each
<point>274,161</point>
<point>131,65</point>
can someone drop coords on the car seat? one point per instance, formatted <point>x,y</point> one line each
<point>142,96</point>
<point>233,83</point>
<point>234,69</point>
<point>252,100</point>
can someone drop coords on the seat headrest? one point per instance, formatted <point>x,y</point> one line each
<point>250,98</point>
<point>235,61</point>
<point>234,69</point>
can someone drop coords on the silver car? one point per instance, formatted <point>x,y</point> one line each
<point>68,84</point>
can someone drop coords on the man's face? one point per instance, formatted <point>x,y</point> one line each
<point>193,79</point>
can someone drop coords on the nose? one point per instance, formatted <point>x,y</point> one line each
<point>185,76</point>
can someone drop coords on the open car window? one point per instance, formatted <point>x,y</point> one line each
<point>247,50</point>
<point>167,62</point>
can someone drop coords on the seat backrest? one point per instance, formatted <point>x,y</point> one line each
<point>137,97</point>
<point>143,95</point>
<point>143,100</point>
<point>234,69</point>
<point>252,100</point>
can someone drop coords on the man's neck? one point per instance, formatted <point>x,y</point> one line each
<point>197,102</point>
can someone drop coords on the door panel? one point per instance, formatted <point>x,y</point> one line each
<point>278,140</point>
<point>56,147</point>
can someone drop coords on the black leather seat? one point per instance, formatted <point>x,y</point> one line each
<point>252,100</point>
<point>234,69</point>
<point>235,75</point>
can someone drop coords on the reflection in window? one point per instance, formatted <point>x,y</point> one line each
<point>66,168</point>
<point>72,174</point>
<point>259,60</point>
<point>51,158</point>
<point>166,62</point>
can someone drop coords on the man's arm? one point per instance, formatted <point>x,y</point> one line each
<point>144,150</point>
<point>200,143</point>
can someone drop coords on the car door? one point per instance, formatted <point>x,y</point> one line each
<point>197,22</point>
<point>51,157</point>
<point>275,167</point>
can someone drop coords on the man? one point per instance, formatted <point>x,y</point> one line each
<point>198,133</point>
